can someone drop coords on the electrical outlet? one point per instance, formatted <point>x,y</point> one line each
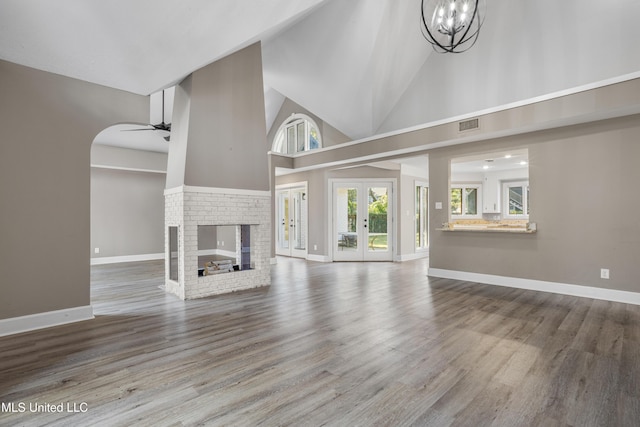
<point>223,243</point>
<point>315,247</point>
<point>604,273</point>
<point>96,251</point>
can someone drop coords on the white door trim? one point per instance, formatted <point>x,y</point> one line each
<point>304,186</point>
<point>366,182</point>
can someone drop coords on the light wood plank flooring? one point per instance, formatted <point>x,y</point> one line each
<point>339,344</point>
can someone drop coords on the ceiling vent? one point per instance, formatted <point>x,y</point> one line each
<point>468,125</point>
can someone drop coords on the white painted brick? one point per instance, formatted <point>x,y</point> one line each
<point>190,209</point>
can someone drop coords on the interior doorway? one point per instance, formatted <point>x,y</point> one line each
<point>362,220</point>
<point>291,220</point>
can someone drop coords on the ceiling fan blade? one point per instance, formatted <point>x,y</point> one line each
<point>163,126</point>
<point>136,130</point>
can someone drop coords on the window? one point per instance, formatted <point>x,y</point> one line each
<point>516,200</point>
<point>422,216</point>
<point>464,200</point>
<point>297,134</point>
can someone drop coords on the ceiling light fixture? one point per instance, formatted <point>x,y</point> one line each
<point>452,26</point>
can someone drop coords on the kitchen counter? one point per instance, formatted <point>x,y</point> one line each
<point>490,228</point>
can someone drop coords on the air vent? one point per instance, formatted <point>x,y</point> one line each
<point>468,125</point>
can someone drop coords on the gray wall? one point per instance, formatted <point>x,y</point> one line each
<point>219,109</point>
<point>330,135</point>
<point>48,123</point>
<point>127,201</point>
<point>210,235</point>
<point>407,213</point>
<point>318,195</point>
<point>581,171</point>
<point>117,157</point>
<point>317,199</point>
<point>127,212</point>
<point>581,179</point>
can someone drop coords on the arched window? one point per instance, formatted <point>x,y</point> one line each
<point>298,133</point>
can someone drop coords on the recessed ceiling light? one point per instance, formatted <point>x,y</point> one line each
<point>523,163</point>
<point>508,156</point>
<point>485,167</point>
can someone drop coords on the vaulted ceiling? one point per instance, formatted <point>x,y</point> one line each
<point>360,65</point>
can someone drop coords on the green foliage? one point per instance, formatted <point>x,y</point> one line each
<point>378,204</point>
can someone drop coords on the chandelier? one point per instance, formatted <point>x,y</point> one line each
<point>452,26</point>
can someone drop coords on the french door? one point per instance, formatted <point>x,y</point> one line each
<point>362,221</point>
<point>291,222</point>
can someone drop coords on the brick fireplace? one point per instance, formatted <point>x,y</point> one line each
<point>187,208</point>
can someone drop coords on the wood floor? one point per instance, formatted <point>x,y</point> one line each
<point>340,344</point>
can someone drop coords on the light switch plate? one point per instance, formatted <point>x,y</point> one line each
<point>438,205</point>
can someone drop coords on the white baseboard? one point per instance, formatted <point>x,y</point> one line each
<point>220,252</point>
<point>414,256</point>
<point>126,258</point>
<point>228,254</point>
<point>539,285</point>
<point>206,252</point>
<point>318,258</point>
<point>32,322</point>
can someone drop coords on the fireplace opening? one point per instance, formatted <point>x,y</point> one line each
<point>224,249</point>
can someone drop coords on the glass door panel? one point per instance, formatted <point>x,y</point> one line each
<point>377,222</point>
<point>362,222</point>
<point>378,225</point>
<point>282,231</point>
<point>346,238</point>
<point>298,222</point>
<point>291,222</point>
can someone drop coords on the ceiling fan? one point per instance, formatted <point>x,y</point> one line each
<point>160,126</point>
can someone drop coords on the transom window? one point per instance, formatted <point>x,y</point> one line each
<point>297,134</point>
<point>464,200</point>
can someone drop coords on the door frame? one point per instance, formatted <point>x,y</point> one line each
<point>331,220</point>
<point>296,253</point>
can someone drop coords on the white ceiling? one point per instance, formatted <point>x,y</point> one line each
<point>139,46</point>
<point>491,162</point>
<point>135,137</point>
<point>316,52</point>
<point>362,66</point>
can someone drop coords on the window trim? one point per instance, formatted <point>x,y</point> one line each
<point>464,186</point>
<point>505,199</point>
<point>279,140</point>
